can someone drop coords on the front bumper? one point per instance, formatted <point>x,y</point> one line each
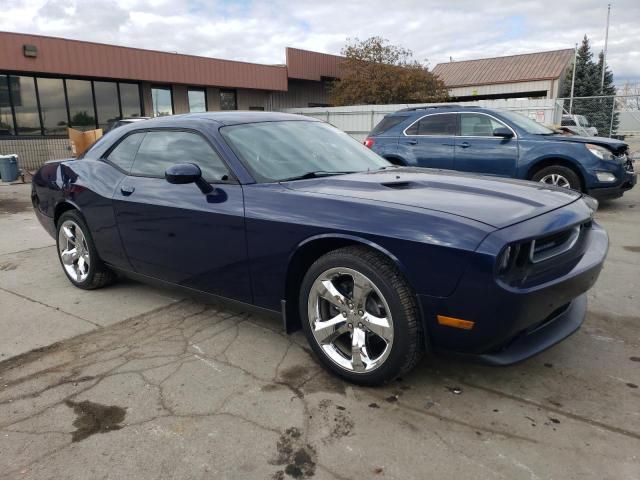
<point>512,324</point>
<point>536,339</point>
<point>606,193</point>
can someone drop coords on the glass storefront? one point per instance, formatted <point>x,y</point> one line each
<point>45,106</point>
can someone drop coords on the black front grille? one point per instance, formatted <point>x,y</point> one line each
<point>535,261</point>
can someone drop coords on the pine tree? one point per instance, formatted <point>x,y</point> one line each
<point>602,119</point>
<point>587,84</point>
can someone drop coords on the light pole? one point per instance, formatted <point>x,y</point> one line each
<point>604,52</point>
<point>573,78</point>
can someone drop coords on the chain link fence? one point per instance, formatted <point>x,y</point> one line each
<point>604,116</point>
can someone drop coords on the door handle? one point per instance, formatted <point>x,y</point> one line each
<point>127,190</point>
<point>465,145</point>
<point>412,142</point>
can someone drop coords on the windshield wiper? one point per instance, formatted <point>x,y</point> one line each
<point>316,174</point>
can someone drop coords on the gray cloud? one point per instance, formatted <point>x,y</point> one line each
<point>259,31</point>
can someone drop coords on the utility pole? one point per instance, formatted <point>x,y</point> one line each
<point>604,52</point>
<point>573,78</point>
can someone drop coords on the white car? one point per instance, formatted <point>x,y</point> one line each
<point>579,124</point>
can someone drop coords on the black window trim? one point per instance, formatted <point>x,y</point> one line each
<point>105,156</point>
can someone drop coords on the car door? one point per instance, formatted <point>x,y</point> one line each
<point>429,141</point>
<point>177,233</point>
<point>478,150</point>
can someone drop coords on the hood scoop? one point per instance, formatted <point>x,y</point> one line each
<point>399,185</point>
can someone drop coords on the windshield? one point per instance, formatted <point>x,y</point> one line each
<point>525,123</point>
<point>275,151</point>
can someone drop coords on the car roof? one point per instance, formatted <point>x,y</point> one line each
<point>227,118</point>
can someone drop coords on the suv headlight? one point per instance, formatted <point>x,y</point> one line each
<point>601,152</point>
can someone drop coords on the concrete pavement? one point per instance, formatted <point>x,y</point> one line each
<point>150,386</point>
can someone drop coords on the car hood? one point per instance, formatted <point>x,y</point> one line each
<point>617,146</point>
<point>493,201</point>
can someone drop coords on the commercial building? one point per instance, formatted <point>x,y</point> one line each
<point>47,84</point>
<point>532,75</point>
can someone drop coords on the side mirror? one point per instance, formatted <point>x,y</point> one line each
<point>503,132</point>
<point>182,173</point>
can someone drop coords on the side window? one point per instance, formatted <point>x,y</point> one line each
<point>125,151</point>
<point>436,124</point>
<point>161,149</point>
<point>476,125</point>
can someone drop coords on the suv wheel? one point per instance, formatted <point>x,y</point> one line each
<point>360,317</point>
<point>559,176</point>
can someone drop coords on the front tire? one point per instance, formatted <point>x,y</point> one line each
<point>559,176</point>
<point>78,255</point>
<point>360,316</point>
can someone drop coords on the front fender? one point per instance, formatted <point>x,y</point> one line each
<point>349,238</point>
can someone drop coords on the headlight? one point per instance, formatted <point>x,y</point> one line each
<point>505,259</point>
<point>591,202</point>
<point>601,152</point>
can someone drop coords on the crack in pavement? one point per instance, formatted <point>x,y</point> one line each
<point>180,366</point>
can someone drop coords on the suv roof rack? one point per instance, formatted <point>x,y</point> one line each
<point>427,107</point>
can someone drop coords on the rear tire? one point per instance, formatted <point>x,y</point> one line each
<point>368,336</point>
<point>78,255</point>
<point>559,176</point>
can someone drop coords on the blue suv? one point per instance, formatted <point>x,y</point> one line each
<point>503,143</point>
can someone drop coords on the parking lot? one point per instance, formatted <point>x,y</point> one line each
<point>136,382</point>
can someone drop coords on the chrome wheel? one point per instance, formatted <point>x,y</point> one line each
<point>74,251</point>
<point>556,179</point>
<point>350,320</point>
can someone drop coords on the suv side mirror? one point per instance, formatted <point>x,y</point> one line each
<point>503,132</point>
<point>182,173</point>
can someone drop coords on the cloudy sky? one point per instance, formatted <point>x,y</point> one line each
<point>258,31</point>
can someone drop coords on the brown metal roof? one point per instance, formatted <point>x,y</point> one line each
<point>307,65</point>
<point>87,59</point>
<point>514,68</point>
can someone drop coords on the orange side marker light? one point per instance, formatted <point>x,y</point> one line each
<point>455,322</point>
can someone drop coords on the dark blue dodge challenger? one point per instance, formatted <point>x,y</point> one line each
<point>289,215</point>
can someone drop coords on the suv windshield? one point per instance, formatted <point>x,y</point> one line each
<point>525,123</point>
<point>276,151</point>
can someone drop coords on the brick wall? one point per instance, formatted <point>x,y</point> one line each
<point>33,152</point>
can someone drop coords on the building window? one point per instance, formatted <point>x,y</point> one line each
<point>81,111</point>
<point>53,105</point>
<point>107,106</point>
<point>197,100</point>
<point>44,106</point>
<point>25,104</point>
<point>257,109</point>
<point>162,101</point>
<point>130,100</point>
<point>6,115</point>
<point>228,100</point>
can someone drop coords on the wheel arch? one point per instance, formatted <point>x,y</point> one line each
<point>61,207</point>
<point>556,160</point>
<point>307,252</point>
<point>396,160</point>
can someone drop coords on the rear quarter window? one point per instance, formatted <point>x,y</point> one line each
<point>387,123</point>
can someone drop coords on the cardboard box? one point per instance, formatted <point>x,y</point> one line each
<point>81,141</point>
